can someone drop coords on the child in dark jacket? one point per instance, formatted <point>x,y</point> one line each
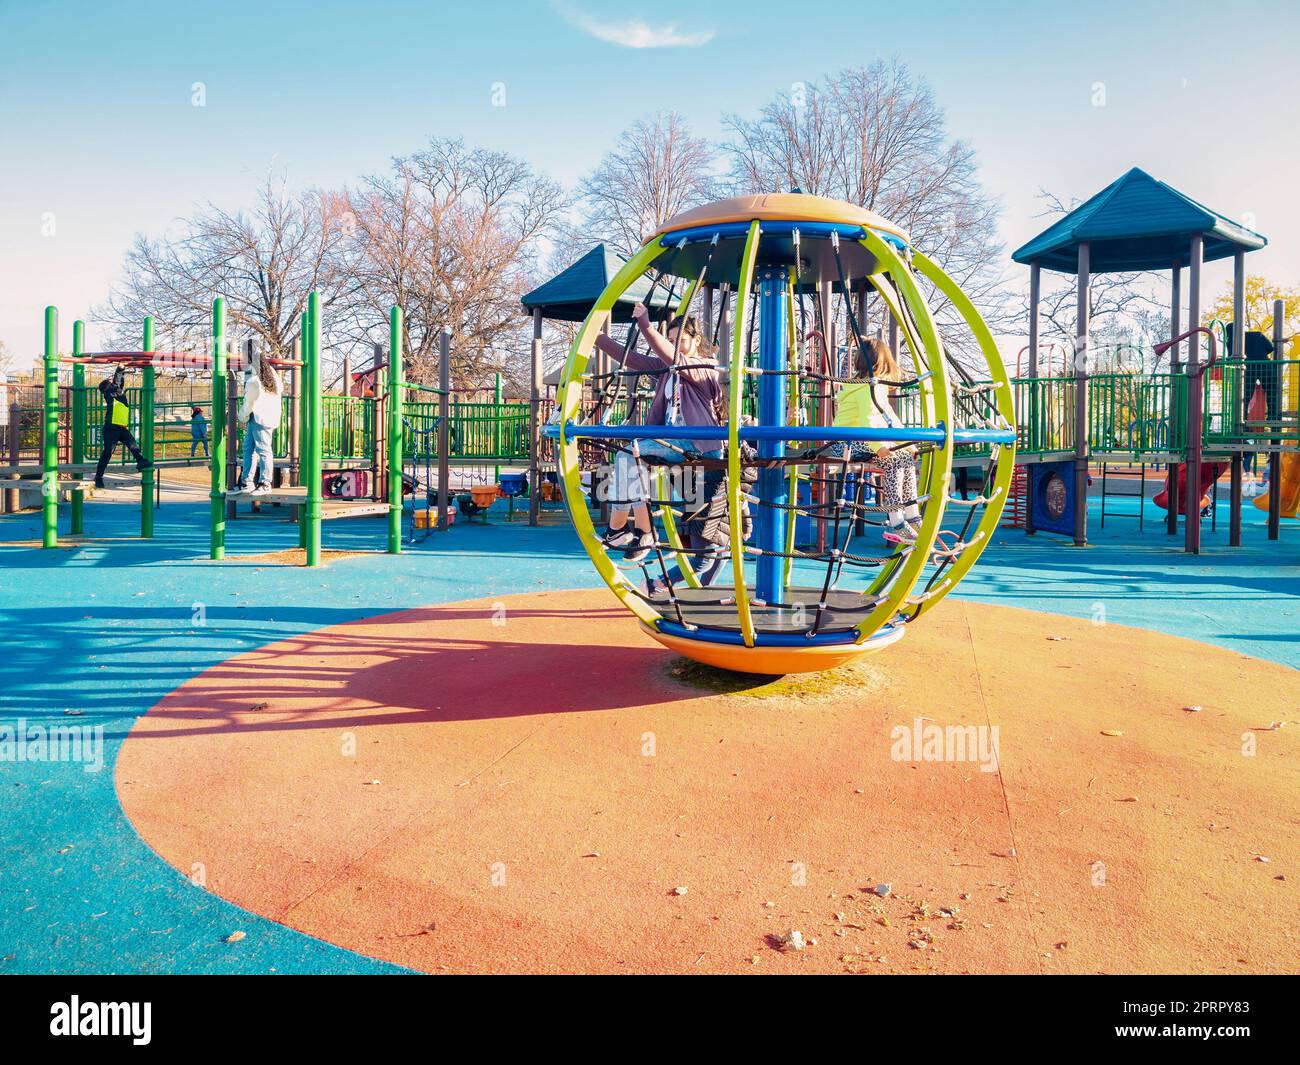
<point>116,421</point>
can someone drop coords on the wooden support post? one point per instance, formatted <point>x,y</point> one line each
<point>1033,391</point>
<point>1192,484</point>
<point>1237,353</point>
<point>1274,457</point>
<point>1035,300</point>
<point>12,504</point>
<point>393,410</point>
<point>444,428</point>
<point>1083,310</point>
<point>1175,363</point>
<point>535,422</point>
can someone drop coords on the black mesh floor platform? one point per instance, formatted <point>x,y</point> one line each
<point>715,608</point>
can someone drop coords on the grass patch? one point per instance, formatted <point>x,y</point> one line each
<point>804,686</point>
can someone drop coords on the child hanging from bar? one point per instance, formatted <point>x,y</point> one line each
<point>117,418</point>
<point>865,404</point>
<point>688,391</point>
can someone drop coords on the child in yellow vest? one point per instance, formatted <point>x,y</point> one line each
<point>865,404</point>
<point>116,421</point>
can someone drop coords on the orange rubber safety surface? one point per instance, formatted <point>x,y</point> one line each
<point>528,786</point>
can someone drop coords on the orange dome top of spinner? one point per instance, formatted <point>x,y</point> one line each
<point>782,207</point>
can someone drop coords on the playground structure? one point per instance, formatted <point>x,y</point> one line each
<point>786,258</point>
<point>336,456</point>
<point>1201,415</point>
<point>1205,402</point>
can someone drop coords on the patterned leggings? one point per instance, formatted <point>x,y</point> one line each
<point>898,470</point>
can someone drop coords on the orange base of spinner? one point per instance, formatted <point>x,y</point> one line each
<point>775,661</point>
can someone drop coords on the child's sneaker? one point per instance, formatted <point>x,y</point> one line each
<point>642,544</point>
<point>902,534</point>
<point>241,490</point>
<point>617,539</point>
<point>260,490</point>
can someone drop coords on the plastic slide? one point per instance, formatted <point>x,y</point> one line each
<point>1289,480</point>
<point>1210,472</point>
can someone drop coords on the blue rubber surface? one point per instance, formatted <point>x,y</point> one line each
<point>105,629</point>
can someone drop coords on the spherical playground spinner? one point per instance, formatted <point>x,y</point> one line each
<point>781,283</point>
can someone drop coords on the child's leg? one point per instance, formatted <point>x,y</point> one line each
<point>626,488</point>
<point>106,452</point>
<point>246,471</point>
<point>266,452</point>
<point>898,468</point>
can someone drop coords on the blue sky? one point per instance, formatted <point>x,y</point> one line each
<point>97,125</point>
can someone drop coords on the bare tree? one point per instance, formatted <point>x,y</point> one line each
<point>875,136</point>
<point>263,261</point>
<point>658,170</point>
<point>450,236</point>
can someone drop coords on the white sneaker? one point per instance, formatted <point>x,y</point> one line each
<point>260,490</point>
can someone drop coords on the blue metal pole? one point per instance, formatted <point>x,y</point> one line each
<point>770,522</point>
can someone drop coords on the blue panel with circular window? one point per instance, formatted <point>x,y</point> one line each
<point>1051,497</point>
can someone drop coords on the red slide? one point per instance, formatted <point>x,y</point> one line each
<point>1210,472</point>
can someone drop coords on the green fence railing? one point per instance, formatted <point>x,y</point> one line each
<point>480,432</point>
<point>1132,414</point>
<point>1233,386</point>
<point>1044,414</point>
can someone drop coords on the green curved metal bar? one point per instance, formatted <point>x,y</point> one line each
<point>685,563</point>
<point>1003,455</point>
<point>737,391</point>
<point>936,410</point>
<point>569,402</point>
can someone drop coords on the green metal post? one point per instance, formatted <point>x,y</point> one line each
<point>304,423</point>
<point>50,434</point>
<point>79,427</point>
<point>313,449</point>
<point>395,398</point>
<point>217,443</point>
<point>146,436</point>
<point>497,435</point>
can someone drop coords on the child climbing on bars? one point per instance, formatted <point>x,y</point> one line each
<point>688,391</point>
<point>865,404</point>
<point>116,422</point>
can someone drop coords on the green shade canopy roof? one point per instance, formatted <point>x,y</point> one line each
<point>1136,223</point>
<point>569,295</point>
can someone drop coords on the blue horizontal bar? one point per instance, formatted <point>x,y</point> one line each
<point>768,639</point>
<point>813,433</point>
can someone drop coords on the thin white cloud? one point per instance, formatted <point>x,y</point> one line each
<point>634,33</point>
